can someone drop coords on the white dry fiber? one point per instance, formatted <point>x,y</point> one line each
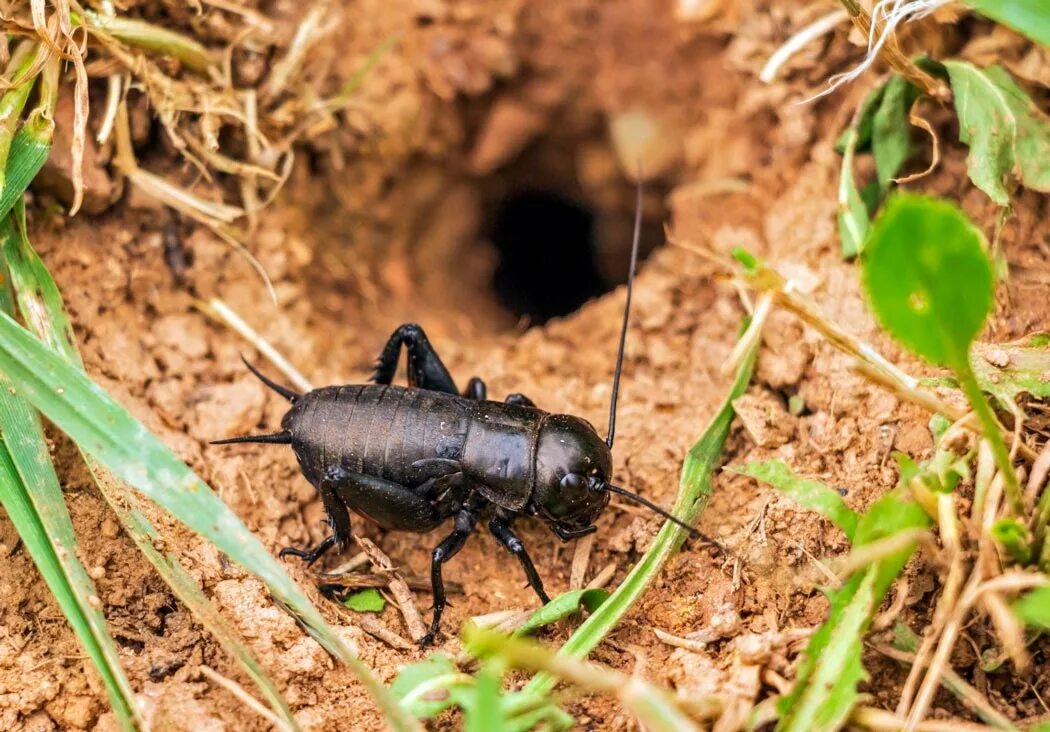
<point>885,17</point>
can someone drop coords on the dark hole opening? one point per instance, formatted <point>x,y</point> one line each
<point>546,248</point>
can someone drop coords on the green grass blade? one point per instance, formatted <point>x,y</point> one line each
<point>827,693</point>
<point>154,38</point>
<point>853,220</point>
<point>11,105</point>
<point>34,502</point>
<point>28,153</point>
<point>1034,608</point>
<point>562,606</point>
<point>825,690</point>
<point>41,304</point>
<point>105,430</point>
<point>811,494</point>
<point>693,494</point>
<point>1030,17</point>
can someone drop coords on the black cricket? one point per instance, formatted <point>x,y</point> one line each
<point>408,458</point>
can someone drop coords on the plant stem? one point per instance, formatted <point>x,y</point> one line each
<point>150,37</point>
<point>693,494</point>
<point>11,105</point>
<point>990,427</point>
<point>892,55</point>
<point>653,706</point>
<point>42,117</point>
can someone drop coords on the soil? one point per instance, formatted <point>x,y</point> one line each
<point>481,100</point>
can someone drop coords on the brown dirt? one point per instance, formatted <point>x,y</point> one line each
<point>371,234</point>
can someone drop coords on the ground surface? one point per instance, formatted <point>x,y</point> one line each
<point>390,232</point>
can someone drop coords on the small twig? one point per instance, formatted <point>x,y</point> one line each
<point>798,41</point>
<point>891,53</point>
<point>1037,478</point>
<point>603,578</point>
<point>581,558</point>
<point>352,564</point>
<point>879,720</point>
<point>364,580</point>
<point>956,684</point>
<point>947,620</point>
<point>398,588</point>
<point>375,628</point>
<point>752,335</point>
<point>867,554</point>
<point>494,619</point>
<point>222,312</point>
<point>688,644</point>
<point>651,704</point>
<point>935,156</point>
<point>975,589</point>
<point>245,698</point>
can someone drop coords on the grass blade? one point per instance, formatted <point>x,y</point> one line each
<point>108,432</point>
<point>28,153</point>
<point>693,493</point>
<point>32,497</point>
<point>151,37</point>
<point>825,691</point>
<point>1030,17</point>
<point>65,577</point>
<point>655,708</point>
<point>811,494</point>
<point>41,303</point>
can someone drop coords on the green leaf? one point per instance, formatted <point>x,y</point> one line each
<point>889,515</point>
<point>1006,370</point>
<point>1034,608</point>
<point>746,258</point>
<point>811,494</point>
<point>1009,138</point>
<point>938,425</point>
<point>1028,17</point>
<point>825,690</point>
<point>891,131</point>
<point>563,606</point>
<point>928,277</point>
<point>852,211</point>
<point>105,430</point>
<point>694,491</point>
<point>1012,534</point>
<point>366,601</point>
<point>864,122</point>
<point>25,159</point>
<point>485,711</point>
<point>431,686</point>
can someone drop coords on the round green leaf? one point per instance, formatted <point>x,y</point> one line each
<point>928,277</point>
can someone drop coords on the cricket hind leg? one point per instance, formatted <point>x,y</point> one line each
<point>425,368</point>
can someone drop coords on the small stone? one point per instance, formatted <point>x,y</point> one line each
<point>765,419</point>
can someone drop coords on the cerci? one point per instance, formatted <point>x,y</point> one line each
<point>409,458</point>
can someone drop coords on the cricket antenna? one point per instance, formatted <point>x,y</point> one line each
<point>626,312</point>
<point>284,391</point>
<point>666,514</point>
<point>277,438</point>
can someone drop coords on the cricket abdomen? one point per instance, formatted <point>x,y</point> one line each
<point>378,430</point>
